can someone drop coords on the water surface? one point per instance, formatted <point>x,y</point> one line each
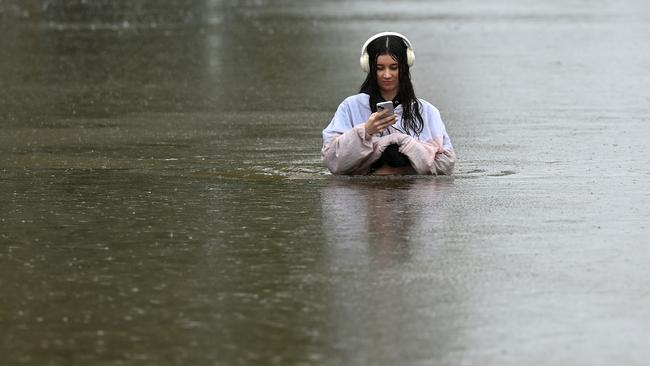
<point>162,199</point>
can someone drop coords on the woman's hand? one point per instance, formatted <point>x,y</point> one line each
<point>396,138</point>
<point>379,121</point>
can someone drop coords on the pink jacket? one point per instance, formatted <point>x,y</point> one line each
<point>354,151</point>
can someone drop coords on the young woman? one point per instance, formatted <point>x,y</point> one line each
<point>360,140</point>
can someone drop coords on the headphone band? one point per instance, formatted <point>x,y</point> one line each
<point>364,59</point>
<point>383,34</point>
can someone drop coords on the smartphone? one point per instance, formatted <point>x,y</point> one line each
<point>386,105</point>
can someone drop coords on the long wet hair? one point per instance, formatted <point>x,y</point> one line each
<point>396,48</point>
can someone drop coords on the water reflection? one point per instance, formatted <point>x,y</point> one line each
<point>377,221</point>
<point>382,301</point>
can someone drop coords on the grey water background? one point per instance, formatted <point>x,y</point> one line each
<point>162,199</point>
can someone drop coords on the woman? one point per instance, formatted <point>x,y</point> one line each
<point>361,140</point>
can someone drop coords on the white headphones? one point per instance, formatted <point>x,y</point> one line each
<point>365,61</point>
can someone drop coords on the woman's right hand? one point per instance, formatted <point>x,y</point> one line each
<point>379,121</point>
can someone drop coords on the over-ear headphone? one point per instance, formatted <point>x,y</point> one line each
<point>365,59</point>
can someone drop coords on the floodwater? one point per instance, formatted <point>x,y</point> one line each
<point>162,199</point>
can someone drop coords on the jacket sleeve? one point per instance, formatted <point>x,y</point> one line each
<point>428,157</point>
<point>351,152</point>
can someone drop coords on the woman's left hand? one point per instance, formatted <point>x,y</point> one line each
<point>394,138</point>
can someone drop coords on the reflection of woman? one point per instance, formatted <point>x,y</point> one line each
<point>360,140</point>
<point>375,221</point>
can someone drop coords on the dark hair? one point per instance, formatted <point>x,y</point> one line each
<point>395,47</point>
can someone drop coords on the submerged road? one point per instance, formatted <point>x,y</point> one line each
<point>162,199</point>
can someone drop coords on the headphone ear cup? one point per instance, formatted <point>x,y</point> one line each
<point>364,60</point>
<point>410,57</point>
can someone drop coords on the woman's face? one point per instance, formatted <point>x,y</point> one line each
<point>387,74</point>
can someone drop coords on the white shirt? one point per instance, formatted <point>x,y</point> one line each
<point>355,110</point>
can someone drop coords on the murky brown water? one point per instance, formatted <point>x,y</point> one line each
<point>162,199</point>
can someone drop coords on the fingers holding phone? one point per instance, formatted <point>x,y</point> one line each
<point>382,119</point>
<point>379,121</point>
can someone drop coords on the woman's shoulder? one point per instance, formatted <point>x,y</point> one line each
<point>357,99</point>
<point>426,106</point>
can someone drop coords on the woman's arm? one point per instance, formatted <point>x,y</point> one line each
<point>351,152</point>
<point>354,151</point>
